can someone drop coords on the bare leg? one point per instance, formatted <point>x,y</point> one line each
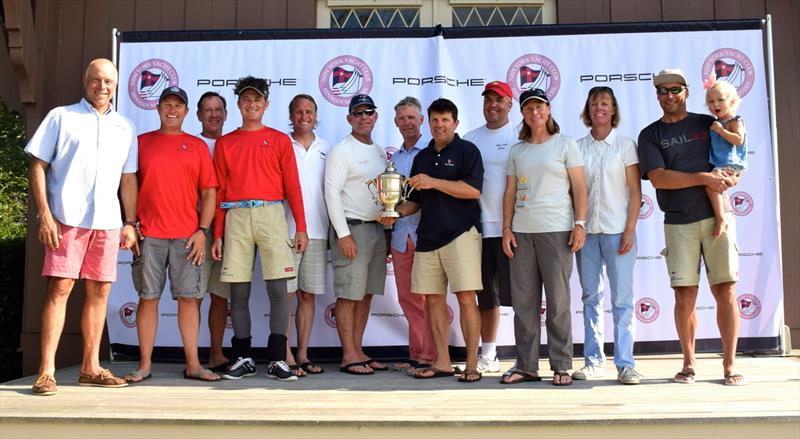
<point>146,328</point>
<point>361,318</point>
<point>93,320</point>
<point>436,305</point>
<point>345,325</point>
<point>470,326</point>
<point>54,310</point>
<point>686,323</point>
<point>189,325</point>
<point>728,323</point>
<point>719,218</point>
<point>304,319</point>
<point>217,318</point>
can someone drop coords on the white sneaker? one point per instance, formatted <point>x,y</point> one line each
<point>588,373</point>
<point>487,365</point>
<point>628,375</point>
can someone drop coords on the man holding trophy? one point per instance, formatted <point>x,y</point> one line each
<point>358,242</point>
<point>446,178</point>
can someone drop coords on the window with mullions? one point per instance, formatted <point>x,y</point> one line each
<point>362,18</point>
<point>479,16</point>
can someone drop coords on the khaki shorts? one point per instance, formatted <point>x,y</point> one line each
<point>312,268</point>
<point>209,282</point>
<point>687,242</point>
<point>458,262</point>
<point>263,227</point>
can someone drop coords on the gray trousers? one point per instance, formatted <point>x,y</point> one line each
<point>542,259</point>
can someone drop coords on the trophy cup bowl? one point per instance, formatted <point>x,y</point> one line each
<point>390,190</point>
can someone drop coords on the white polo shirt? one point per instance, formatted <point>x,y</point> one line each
<point>87,153</point>
<point>604,166</point>
<point>311,171</point>
<point>494,146</point>
<point>350,165</point>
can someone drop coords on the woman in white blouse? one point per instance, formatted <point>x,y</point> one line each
<point>612,176</point>
<point>544,208</point>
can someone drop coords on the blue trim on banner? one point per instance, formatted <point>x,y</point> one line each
<point>445,32</point>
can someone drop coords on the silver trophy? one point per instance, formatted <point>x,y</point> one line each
<point>391,190</point>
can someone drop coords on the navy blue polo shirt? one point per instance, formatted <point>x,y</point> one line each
<point>444,218</point>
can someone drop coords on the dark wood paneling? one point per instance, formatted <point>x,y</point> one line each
<point>739,9</point>
<point>9,91</point>
<point>248,14</point>
<point>97,37</point>
<point>786,36</point>
<point>148,15</point>
<point>583,11</point>
<point>224,13</point>
<point>198,15</point>
<point>122,15</point>
<point>302,14</point>
<point>623,11</point>
<point>674,10</point>
<point>274,14</point>
<point>172,13</point>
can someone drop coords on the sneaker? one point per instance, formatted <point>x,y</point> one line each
<point>103,379</point>
<point>628,375</point>
<point>243,367</point>
<point>280,371</point>
<point>45,385</point>
<point>487,365</point>
<point>588,373</point>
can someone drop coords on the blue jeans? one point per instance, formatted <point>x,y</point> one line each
<point>601,249</point>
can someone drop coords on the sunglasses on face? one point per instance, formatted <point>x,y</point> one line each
<point>663,91</point>
<point>369,112</point>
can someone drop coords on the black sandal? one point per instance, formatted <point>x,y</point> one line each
<point>469,376</point>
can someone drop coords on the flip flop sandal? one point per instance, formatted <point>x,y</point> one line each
<point>140,377</point>
<point>347,368</point>
<point>199,376</point>
<point>437,373</point>
<point>220,368</point>
<point>730,380</point>
<point>308,366</point>
<point>526,376</point>
<point>369,362</point>
<point>468,376</point>
<point>561,382</point>
<point>297,370</point>
<point>685,377</point>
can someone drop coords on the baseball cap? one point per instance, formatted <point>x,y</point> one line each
<point>499,87</point>
<point>174,91</point>
<point>360,100</point>
<point>252,87</point>
<point>669,75</point>
<point>536,93</point>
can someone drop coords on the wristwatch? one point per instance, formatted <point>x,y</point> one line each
<point>206,231</point>
<point>581,223</point>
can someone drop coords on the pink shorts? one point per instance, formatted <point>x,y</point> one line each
<point>84,254</point>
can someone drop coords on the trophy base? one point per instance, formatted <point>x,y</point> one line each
<point>390,214</point>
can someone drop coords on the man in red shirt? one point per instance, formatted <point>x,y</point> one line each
<point>257,171</point>
<point>173,168</point>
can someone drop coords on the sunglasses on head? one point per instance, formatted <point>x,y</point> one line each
<point>368,112</point>
<point>663,91</point>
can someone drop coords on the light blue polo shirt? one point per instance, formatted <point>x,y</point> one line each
<point>406,226</point>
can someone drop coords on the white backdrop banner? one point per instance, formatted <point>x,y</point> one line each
<point>565,66</point>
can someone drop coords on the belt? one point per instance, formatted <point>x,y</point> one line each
<point>247,203</point>
<point>352,221</point>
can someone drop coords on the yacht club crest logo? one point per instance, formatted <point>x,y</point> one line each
<point>532,71</point>
<point>647,310</point>
<point>749,306</point>
<point>148,80</point>
<point>127,313</point>
<point>330,315</point>
<point>646,208</point>
<point>742,203</point>
<point>344,77</point>
<point>730,65</point>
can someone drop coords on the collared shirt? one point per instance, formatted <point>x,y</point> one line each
<point>407,226</point>
<point>87,153</point>
<point>349,166</point>
<point>605,162</point>
<point>444,217</point>
<point>494,144</point>
<point>311,168</point>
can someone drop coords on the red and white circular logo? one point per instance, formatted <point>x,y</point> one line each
<point>646,208</point>
<point>389,266</point>
<point>148,80</point>
<point>647,310</point>
<point>742,203</point>
<point>543,313</point>
<point>344,77</point>
<point>450,314</point>
<point>330,315</point>
<point>533,71</point>
<point>749,306</point>
<point>732,66</point>
<point>127,313</point>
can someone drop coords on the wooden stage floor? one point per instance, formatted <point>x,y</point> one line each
<point>390,404</point>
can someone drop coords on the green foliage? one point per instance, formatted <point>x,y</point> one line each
<point>13,175</point>
<point>13,214</point>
